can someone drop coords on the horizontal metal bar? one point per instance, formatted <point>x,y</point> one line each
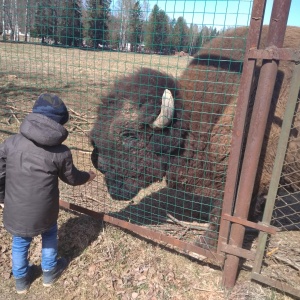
<point>146,232</point>
<point>259,226</point>
<point>71,206</point>
<point>274,53</point>
<point>279,285</point>
<point>239,252</point>
<point>150,234</point>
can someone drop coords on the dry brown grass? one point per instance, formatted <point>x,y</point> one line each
<point>108,263</point>
<point>105,262</point>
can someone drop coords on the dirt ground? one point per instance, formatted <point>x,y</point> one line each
<point>107,262</point>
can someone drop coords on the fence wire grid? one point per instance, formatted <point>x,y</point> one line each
<point>121,68</point>
<point>77,50</point>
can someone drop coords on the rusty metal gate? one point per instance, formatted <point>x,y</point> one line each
<point>282,206</point>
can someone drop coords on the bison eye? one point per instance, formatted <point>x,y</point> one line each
<point>129,134</point>
<point>129,138</point>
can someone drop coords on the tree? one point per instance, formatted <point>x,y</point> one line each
<point>181,35</point>
<point>3,21</point>
<point>135,25</point>
<point>71,25</point>
<point>124,8</point>
<point>194,39</point>
<point>158,30</point>
<point>98,14</point>
<point>8,18</point>
<point>15,13</point>
<point>46,20</point>
<point>27,14</point>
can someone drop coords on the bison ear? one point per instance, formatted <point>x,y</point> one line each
<point>166,112</point>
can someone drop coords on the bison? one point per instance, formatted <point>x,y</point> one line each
<point>152,126</point>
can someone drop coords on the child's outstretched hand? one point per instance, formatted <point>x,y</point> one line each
<point>92,176</point>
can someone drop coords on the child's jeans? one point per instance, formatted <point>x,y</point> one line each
<point>20,247</point>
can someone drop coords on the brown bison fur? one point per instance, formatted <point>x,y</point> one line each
<point>210,87</point>
<point>192,151</point>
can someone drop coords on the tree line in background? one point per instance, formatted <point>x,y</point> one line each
<point>128,25</point>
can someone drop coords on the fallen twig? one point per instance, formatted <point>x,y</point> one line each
<point>206,290</point>
<point>183,233</point>
<point>288,262</point>
<point>91,198</point>
<point>189,225</point>
<point>80,129</point>
<point>14,115</point>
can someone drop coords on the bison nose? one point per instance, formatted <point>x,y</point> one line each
<point>98,162</point>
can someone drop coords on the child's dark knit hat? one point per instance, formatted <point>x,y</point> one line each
<point>52,107</point>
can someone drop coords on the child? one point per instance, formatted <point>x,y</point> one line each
<point>30,164</point>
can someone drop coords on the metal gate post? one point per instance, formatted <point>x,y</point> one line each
<point>255,137</point>
<point>233,169</point>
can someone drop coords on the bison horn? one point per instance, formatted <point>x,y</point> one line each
<point>166,111</point>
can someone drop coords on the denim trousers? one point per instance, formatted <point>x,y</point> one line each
<point>20,247</point>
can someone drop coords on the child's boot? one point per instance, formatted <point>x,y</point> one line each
<point>49,277</point>
<point>23,283</point>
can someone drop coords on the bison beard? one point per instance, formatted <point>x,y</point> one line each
<point>133,147</point>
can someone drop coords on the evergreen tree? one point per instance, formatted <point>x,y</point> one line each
<point>194,39</point>
<point>46,20</point>
<point>158,30</point>
<point>181,35</point>
<point>114,31</point>
<point>171,35</point>
<point>135,26</point>
<point>71,25</point>
<point>98,14</point>
<point>42,26</point>
<point>197,44</point>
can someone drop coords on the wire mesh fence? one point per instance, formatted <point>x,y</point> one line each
<point>286,214</point>
<point>79,49</point>
<point>280,261</point>
<point>151,88</point>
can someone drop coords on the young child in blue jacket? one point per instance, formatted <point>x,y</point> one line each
<point>30,164</point>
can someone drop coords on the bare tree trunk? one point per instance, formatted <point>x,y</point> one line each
<point>122,37</point>
<point>10,22</point>
<point>125,7</point>
<point>3,21</point>
<point>16,31</point>
<point>26,19</point>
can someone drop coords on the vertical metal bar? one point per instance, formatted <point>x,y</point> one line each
<point>253,38</point>
<point>278,164</point>
<point>255,137</point>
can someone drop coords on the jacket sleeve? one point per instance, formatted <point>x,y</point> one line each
<point>69,174</point>
<point>2,172</point>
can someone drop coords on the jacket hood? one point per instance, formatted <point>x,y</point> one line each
<point>43,130</point>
